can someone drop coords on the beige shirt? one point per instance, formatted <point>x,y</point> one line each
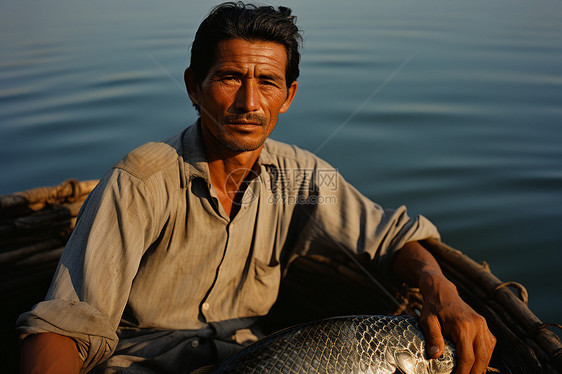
<point>154,249</point>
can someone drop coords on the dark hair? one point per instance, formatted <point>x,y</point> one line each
<point>250,22</point>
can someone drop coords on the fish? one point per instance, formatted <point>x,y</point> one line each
<point>347,344</point>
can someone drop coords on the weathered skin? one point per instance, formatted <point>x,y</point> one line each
<point>353,344</point>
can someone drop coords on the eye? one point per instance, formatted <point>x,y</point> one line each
<point>268,82</point>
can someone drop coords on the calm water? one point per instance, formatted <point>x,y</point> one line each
<point>452,108</point>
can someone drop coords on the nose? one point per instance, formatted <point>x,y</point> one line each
<point>247,97</point>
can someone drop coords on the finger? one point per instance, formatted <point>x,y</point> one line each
<point>434,342</point>
<point>483,349</point>
<point>465,356</point>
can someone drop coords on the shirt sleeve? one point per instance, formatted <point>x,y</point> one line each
<point>341,218</point>
<point>113,230</point>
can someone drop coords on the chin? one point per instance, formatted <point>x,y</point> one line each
<point>242,146</point>
<point>243,142</point>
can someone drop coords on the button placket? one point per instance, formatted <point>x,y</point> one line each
<point>235,252</point>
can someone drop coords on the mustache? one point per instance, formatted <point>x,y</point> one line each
<point>248,117</point>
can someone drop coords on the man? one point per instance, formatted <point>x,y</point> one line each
<point>182,245</point>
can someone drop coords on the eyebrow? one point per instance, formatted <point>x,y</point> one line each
<point>224,71</point>
<point>228,71</point>
<point>271,76</point>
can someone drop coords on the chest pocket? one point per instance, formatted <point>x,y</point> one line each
<point>261,288</point>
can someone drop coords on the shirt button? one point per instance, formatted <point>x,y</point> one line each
<point>195,343</point>
<point>205,306</point>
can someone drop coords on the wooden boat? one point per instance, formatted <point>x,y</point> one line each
<point>35,225</point>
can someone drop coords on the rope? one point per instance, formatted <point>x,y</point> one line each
<point>546,325</point>
<point>523,294</point>
<point>74,195</point>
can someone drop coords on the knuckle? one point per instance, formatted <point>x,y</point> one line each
<point>465,326</point>
<point>478,320</point>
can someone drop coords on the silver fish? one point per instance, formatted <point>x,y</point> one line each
<point>352,344</point>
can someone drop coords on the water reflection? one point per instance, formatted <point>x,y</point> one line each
<point>466,133</point>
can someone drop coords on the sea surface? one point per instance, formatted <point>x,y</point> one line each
<point>451,108</point>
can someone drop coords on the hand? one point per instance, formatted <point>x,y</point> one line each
<point>445,311</point>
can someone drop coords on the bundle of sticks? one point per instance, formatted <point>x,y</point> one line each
<point>34,228</point>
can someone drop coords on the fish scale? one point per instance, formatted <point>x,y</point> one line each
<point>350,344</point>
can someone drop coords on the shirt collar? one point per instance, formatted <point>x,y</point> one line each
<point>266,158</point>
<point>195,160</point>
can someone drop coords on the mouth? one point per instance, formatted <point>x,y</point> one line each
<point>243,123</point>
<point>243,127</point>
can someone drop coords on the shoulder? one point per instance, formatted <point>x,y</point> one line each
<point>287,155</point>
<point>152,158</point>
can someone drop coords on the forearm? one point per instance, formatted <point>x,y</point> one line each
<point>49,353</point>
<point>445,312</point>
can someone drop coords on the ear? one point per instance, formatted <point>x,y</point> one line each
<point>291,91</point>
<point>192,88</point>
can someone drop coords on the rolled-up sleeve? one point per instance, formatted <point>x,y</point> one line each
<point>113,231</point>
<point>90,329</point>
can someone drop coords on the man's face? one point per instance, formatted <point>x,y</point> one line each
<point>243,93</point>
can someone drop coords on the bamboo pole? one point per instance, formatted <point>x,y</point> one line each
<point>12,256</point>
<point>37,198</point>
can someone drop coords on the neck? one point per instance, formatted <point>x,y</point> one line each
<point>228,170</point>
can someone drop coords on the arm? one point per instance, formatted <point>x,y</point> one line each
<point>93,279</point>
<point>49,353</point>
<point>444,310</point>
